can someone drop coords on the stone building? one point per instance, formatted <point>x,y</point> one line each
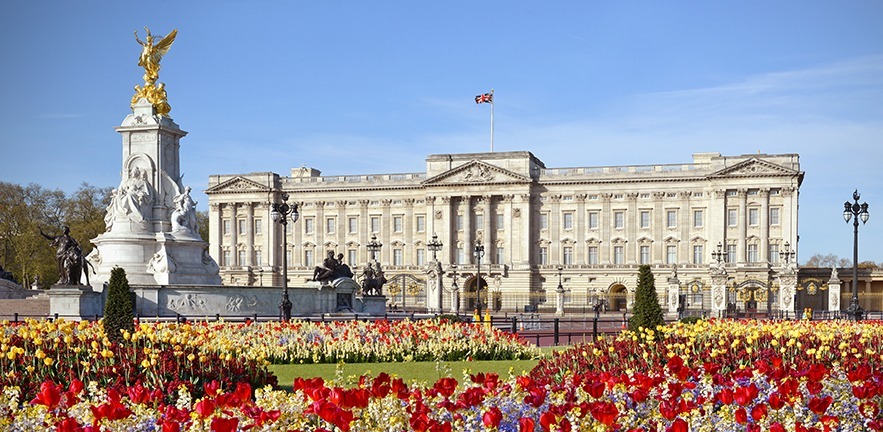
<point>586,229</point>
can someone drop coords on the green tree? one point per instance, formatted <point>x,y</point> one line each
<point>647,312</point>
<point>202,223</point>
<point>118,309</point>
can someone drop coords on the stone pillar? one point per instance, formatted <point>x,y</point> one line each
<point>216,223</point>
<point>447,234</point>
<point>764,251</point>
<point>787,287</point>
<point>234,235</point>
<point>320,228</point>
<point>524,213</point>
<point>249,235</point>
<point>385,231</point>
<point>465,209</point>
<point>364,230</point>
<point>718,290</point>
<point>658,224</point>
<point>559,301</point>
<point>633,221</point>
<point>741,244</point>
<point>434,287</point>
<point>409,255</point>
<point>605,254</point>
<point>580,227</point>
<point>673,290</point>
<point>455,300</point>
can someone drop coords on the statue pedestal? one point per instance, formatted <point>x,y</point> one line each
<point>75,302</point>
<point>373,305</point>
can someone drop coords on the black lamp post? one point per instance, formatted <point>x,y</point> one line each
<point>718,255</point>
<point>478,253</point>
<point>859,211</point>
<point>374,247</point>
<point>280,214</point>
<point>434,245</point>
<point>787,254</point>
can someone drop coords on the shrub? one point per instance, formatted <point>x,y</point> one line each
<point>647,312</point>
<point>118,309</point>
<point>691,319</point>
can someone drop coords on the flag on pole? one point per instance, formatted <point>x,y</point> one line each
<point>485,98</point>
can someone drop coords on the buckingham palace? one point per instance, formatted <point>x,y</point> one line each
<point>580,231</point>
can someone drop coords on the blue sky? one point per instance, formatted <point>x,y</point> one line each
<point>373,87</point>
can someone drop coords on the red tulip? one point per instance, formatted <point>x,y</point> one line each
<point>492,417</point>
<point>820,405</point>
<point>679,425</point>
<point>526,424</point>
<point>49,395</point>
<point>224,424</point>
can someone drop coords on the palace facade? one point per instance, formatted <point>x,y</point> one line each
<point>583,229</point>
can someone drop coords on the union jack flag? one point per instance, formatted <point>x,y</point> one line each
<point>484,98</point>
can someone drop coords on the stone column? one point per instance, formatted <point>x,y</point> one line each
<point>764,251</point>
<point>216,235</point>
<point>684,215</point>
<point>234,233</point>
<point>249,234</point>
<point>834,290</point>
<point>633,221</point>
<point>524,213</point>
<point>559,301</point>
<point>554,228</point>
<point>718,290</point>
<point>385,232</point>
<point>605,254</point>
<point>409,256</point>
<point>487,235</point>
<point>434,287</point>
<point>341,230</point>
<point>466,209</point>
<point>579,250</point>
<point>320,228</point>
<point>674,285</point>
<point>447,234</point>
<point>658,246</point>
<point>508,227</point>
<point>364,231</point>
<point>741,244</point>
<point>787,287</point>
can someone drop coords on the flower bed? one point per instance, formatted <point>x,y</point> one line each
<point>719,375</point>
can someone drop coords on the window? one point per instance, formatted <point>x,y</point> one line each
<point>617,255</point>
<point>774,216</point>
<point>309,225</point>
<point>241,225</point>
<point>593,220</point>
<point>421,223</point>
<point>731,253</point>
<point>227,227</point>
<point>397,225</point>
<point>352,225</point>
<point>752,253</point>
<point>544,255</point>
<point>544,221</point>
<point>645,219</point>
<point>375,224</point>
<point>227,258</point>
<point>501,221</point>
<point>698,220</point>
<point>329,225</point>
<point>593,254</point>
<point>479,221</point>
<point>257,258</point>
<point>618,219</point>
<point>753,216</point>
<point>671,254</point>
<point>568,255</point>
<point>308,258</point>
<point>242,260</point>
<point>774,253</point>
<point>698,253</point>
<point>397,257</point>
<point>258,227</point>
<point>567,221</point>
<point>671,218</point>
<point>500,256</point>
<point>458,221</point>
<point>461,256</point>
<point>645,254</point>
<point>352,256</point>
<point>421,257</point>
<point>732,217</point>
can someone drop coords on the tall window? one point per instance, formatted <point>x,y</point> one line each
<point>479,221</point>
<point>352,225</point>
<point>618,219</point>
<point>308,258</point>
<point>774,253</point>
<point>567,221</point>
<point>544,255</point>
<point>458,221</point>
<point>309,225</point>
<point>421,223</point>
<point>593,255</point>
<point>645,218</point>
<point>752,253</point>
<point>397,257</point>
<point>774,216</point>
<point>671,218</point>
<point>753,216</point>
<point>544,221</point>
<point>461,256</point>
<point>732,217</point>
<point>731,253</point>
<point>258,227</point>
<point>329,225</point>
<point>500,256</point>
<point>352,255</point>
<point>242,259</point>
<point>645,254</point>
<point>698,253</point>
<point>421,257</point>
<point>227,230</point>
<point>501,221</point>
<point>593,220</point>
<point>227,259</point>
<point>258,261</point>
<point>375,224</point>
<point>618,257</point>
<point>568,255</point>
<point>671,254</point>
<point>698,220</point>
<point>397,225</point>
<point>241,224</point>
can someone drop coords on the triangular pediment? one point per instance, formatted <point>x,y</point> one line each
<point>476,172</point>
<point>755,167</point>
<point>237,184</point>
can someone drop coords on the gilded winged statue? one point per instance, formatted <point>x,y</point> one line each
<point>153,53</point>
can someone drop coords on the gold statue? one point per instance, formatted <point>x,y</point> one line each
<point>151,54</point>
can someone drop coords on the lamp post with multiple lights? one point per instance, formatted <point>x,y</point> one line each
<point>860,211</point>
<point>435,245</point>
<point>280,213</point>
<point>478,253</point>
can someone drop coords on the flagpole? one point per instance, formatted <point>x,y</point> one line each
<point>492,120</point>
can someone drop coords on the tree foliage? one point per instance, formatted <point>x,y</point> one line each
<point>28,209</point>
<point>647,312</point>
<point>118,313</point>
<point>830,260</point>
<point>202,223</point>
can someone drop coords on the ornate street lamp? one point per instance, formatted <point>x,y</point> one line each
<point>860,211</point>
<point>455,291</point>
<point>280,214</point>
<point>718,255</point>
<point>478,253</point>
<point>374,247</point>
<point>434,245</point>
<point>787,254</point>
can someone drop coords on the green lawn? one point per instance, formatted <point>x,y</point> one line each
<point>422,372</point>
